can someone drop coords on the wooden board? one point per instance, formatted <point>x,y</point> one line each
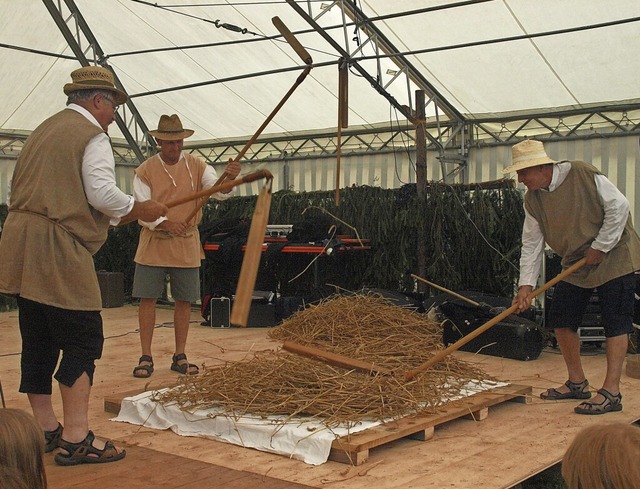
<point>146,468</point>
<point>354,449</point>
<point>113,402</point>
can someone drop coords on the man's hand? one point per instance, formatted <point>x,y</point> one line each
<point>522,298</point>
<point>173,228</point>
<point>593,257</point>
<point>232,169</point>
<point>147,211</point>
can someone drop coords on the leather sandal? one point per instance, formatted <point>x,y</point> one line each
<point>85,453</point>
<point>611,403</point>
<point>183,368</point>
<point>576,391</point>
<point>143,371</point>
<point>52,438</point>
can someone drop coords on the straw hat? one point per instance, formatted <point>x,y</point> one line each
<point>94,78</point>
<point>170,129</point>
<point>526,154</point>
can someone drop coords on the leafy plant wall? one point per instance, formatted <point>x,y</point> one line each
<point>472,239</point>
<point>470,236</point>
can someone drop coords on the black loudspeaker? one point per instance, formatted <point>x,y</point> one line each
<point>514,337</point>
<point>111,288</point>
<point>219,312</point>
<point>261,315</point>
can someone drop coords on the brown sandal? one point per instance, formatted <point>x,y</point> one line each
<point>143,371</point>
<point>610,404</point>
<point>52,438</point>
<point>85,453</point>
<point>576,391</point>
<point>183,368</point>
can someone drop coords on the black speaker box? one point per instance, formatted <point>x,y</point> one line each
<point>219,312</point>
<point>111,288</point>
<point>261,315</point>
<point>513,337</point>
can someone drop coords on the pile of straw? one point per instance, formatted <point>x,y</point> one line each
<point>365,327</point>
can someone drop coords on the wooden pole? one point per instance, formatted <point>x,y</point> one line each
<point>443,289</point>
<point>334,358</point>
<point>291,39</point>
<point>223,178</point>
<point>421,179</point>
<point>343,117</point>
<point>249,177</point>
<point>306,57</point>
<point>463,341</point>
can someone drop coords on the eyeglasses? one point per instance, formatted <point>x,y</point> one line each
<point>112,102</point>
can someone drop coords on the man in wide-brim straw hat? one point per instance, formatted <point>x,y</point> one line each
<point>171,245</point>
<point>95,78</point>
<point>578,212</point>
<point>63,199</point>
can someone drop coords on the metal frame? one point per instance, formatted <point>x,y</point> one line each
<point>129,119</point>
<point>448,132</point>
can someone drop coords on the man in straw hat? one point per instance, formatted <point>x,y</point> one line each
<point>171,245</point>
<point>63,199</point>
<point>578,212</point>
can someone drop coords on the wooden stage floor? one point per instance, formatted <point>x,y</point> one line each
<point>513,442</point>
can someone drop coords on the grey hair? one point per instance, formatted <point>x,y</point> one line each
<point>86,95</point>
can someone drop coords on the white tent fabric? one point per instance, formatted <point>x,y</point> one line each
<point>592,66</point>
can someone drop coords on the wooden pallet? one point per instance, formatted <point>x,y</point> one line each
<point>354,449</point>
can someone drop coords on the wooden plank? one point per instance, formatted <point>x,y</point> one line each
<point>113,402</point>
<point>354,449</point>
<point>144,468</point>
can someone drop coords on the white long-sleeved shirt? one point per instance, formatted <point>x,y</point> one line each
<point>616,213</point>
<point>99,175</point>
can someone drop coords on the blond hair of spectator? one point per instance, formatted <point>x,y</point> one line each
<point>603,456</point>
<point>22,446</point>
<point>11,478</point>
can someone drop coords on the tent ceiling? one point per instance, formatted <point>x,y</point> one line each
<point>178,58</point>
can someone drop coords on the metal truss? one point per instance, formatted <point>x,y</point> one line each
<point>457,137</point>
<point>448,133</point>
<point>562,124</point>
<point>87,50</point>
<point>604,121</point>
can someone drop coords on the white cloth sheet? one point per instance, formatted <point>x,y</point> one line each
<point>305,439</point>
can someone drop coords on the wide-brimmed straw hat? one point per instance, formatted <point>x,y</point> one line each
<point>94,78</point>
<point>526,154</point>
<point>170,129</point>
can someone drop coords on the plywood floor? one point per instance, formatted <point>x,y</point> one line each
<point>514,442</point>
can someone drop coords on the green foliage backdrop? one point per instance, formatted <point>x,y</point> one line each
<point>471,238</point>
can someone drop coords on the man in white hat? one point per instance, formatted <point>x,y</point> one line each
<point>578,212</point>
<point>63,199</point>
<point>171,245</point>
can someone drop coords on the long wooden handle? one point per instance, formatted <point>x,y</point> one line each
<point>249,177</point>
<point>200,203</point>
<point>251,259</point>
<point>334,358</point>
<point>463,341</point>
<point>443,289</point>
<point>204,195</point>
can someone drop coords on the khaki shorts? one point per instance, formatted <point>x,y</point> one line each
<point>150,282</point>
